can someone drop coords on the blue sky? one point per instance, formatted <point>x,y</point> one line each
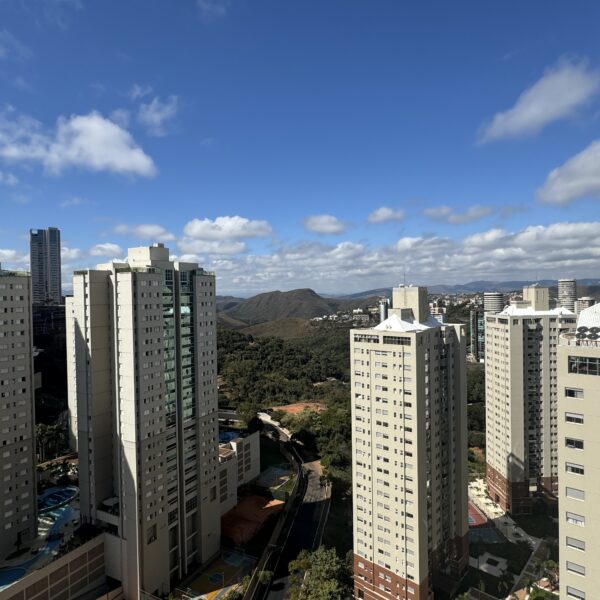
<point>296,143</point>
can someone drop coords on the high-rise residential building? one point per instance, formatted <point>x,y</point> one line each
<point>579,457</point>
<point>583,303</point>
<point>567,293</point>
<point>493,302</point>
<point>44,255</point>
<point>409,444</point>
<point>521,399</point>
<point>142,368</point>
<point>18,508</point>
<point>477,338</point>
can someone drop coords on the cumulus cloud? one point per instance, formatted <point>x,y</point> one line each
<point>70,254</point>
<point>10,258</point>
<point>146,231</point>
<point>120,116</point>
<point>213,9</point>
<point>12,48</point>
<point>557,95</point>
<point>8,178</point>
<point>448,215</point>
<point>385,214</point>
<point>106,249</point>
<point>324,224</point>
<point>156,114</point>
<point>214,247</point>
<point>578,178</point>
<point>80,141</point>
<point>226,228</point>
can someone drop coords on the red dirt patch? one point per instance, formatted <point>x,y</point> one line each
<point>298,407</point>
<point>244,521</point>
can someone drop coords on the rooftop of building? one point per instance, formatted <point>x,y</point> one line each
<point>589,317</point>
<point>523,309</point>
<point>405,325</point>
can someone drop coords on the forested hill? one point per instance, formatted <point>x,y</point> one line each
<point>302,304</point>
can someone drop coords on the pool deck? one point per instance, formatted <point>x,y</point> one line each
<point>58,523</point>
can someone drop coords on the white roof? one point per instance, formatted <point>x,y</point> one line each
<point>395,323</point>
<point>589,317</point>
<point>513,310</point>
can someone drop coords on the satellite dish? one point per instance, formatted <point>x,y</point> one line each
<point>582,329</point>
<point>581,336</point>
<point>593,336</point>
<point>594,329</point>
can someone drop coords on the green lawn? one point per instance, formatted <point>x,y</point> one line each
<point>269,453</point>
<point>338,530</point>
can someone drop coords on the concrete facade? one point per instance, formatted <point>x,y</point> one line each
<point>567,293</point>
<point>18,503</point>
<point>142,368</point>
<point>521,399</point>
<point>45,260</point>
<point>578,457</point>
<point>409,440</point>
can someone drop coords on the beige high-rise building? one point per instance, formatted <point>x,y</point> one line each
<point>18,502</point>
<point>521,398</point>
<point>579,458</point>
<point>409,462</point>
<point>567,293</point>
<point>142,368</point>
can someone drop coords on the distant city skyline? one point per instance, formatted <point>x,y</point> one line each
<point>287,145</point>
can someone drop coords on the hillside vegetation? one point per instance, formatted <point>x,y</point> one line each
<point>272,306</point>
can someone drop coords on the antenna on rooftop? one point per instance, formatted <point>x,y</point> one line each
<point>405,276</point>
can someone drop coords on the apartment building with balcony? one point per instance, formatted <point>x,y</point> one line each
<point>142,368</point>
<point>579,457</point>
<point>18,508</point>
<point>409,463</point>
<point>521,399</point>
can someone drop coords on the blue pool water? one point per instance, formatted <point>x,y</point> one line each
<point>227,436</point>
<point>54,497</point>
<point>60,516</point>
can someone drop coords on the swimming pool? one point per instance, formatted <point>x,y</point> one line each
<point>60,515</point>
<point>54,497</point>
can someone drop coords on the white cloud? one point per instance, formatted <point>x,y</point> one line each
<point>74,201</point>
<point>156,114</point>
<point>12,48</point>
<point>70,254</point>
<point>213,247</point>
<point>13,258</point>
<point>138,91</point>
<point>385,214</point>
<point>120,116</point>
<point>226,228</point>
<point>146,231</point>
<point>448,215</point>
<point>578,178</point>
<point>556,95</point>
<point>324,224</point>
<point>106,249</point>
<point>8,178</point>
<point>213,9</point>
<point>81,141</point>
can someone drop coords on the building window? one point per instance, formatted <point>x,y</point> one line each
<point>574,418</point>
<point>573,393</point>
<point>575,543</point>
<point>574,493</point>
<point>574,468</point>
<point>574,443</point>
<point>575,519</point>
<point>575,568</point>
<point>584,365</point>
<point>575,593</point>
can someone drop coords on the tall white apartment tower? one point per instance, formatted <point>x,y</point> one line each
<point>579,457</point>
<point>18,508</point>
<point>409,462</point>
<point>142,368</point>
<point>521,399</point>
<point>567,293</point>
<point>45,260</point>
